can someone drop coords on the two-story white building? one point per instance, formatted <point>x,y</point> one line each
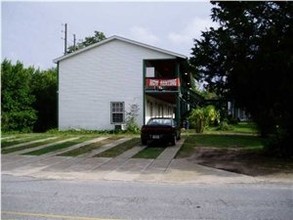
<point>98,84</point>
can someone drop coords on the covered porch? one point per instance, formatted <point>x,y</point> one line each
<point>166,88</point>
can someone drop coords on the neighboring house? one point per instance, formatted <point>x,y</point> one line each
<point>98,84</point>
<point>236,112</point>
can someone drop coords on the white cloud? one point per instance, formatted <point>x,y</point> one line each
<point>191,31</point>
<point>144,35</point>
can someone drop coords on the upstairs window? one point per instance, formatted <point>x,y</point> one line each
<point>117,112</point>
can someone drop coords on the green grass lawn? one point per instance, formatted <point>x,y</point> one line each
<point>225,141</point>
<point>245,127</point>
<point>150,152</point>
<point>239,128</point>
<point>120,148</point>
<point>243,135</point>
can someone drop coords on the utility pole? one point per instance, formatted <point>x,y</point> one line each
<point>74,41</point>
<point>65,38</point>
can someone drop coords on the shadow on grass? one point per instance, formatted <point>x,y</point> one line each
<point>234,153</point>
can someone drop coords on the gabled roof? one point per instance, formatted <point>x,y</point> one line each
<point>120,39</point>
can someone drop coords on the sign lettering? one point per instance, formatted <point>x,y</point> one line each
<point>163,82</point>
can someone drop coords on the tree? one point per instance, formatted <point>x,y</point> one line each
<point>28,99</point>
<point>249,59</point>
<point>44,88</point>
<point>98,36</point>
<point>17,113</point>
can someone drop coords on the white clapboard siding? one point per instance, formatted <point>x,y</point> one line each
<point>90,80</point>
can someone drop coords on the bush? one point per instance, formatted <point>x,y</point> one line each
<point>197,119</point>
<point>131,123</point>
<point>202,117</point>
<point>224,126</point>
<point>18,121</point>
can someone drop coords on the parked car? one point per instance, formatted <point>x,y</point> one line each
<point>160,129</point>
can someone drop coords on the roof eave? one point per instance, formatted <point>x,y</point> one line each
<point>82,50</point>
<point>177,55</point>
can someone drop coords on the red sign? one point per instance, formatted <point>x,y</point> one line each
<point>163,82</point>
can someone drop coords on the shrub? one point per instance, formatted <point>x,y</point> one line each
<point>131,116</point>
<point>202,117</point>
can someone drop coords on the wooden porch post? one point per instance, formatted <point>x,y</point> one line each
<point>178,104</point>
<point>143,88</point>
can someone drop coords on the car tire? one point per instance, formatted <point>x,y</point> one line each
<point>144,141</point>
<point>173,141</point>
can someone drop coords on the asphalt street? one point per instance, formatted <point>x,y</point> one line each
<point>35,198</point>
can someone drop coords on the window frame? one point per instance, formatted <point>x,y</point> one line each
<point>112,103</point>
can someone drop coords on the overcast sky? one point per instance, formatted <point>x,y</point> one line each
<point>31,31</point>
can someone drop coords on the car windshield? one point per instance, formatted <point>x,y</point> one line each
<point>160,121</point>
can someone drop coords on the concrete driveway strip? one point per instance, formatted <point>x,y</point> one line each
<point>36,166</point>
<point>161,163</point>
<point>63,165</point>
<point>157,168</point>
<point>7,159</point>
<point>73,147</point>
<point>87,164</point>
<point>129,171</point>
<point>84,162</point>
<point>118,161</point>
<point>20,161</point>
<point>42,146</point>
<point>184,171</point>
<point>105,147</point>
<point>31,142</point>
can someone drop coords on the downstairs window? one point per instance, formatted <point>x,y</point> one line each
<point>117,112</point>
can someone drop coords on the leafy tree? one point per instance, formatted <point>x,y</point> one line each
<point>98,36</point>
<point>249,59</point>
<point>44,88</point>
<point>16,98</point>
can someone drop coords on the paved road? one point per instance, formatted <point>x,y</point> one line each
<point>31,198</point>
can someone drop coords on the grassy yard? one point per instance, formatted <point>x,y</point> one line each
<point>237,150</point>
<point>241,136</point>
